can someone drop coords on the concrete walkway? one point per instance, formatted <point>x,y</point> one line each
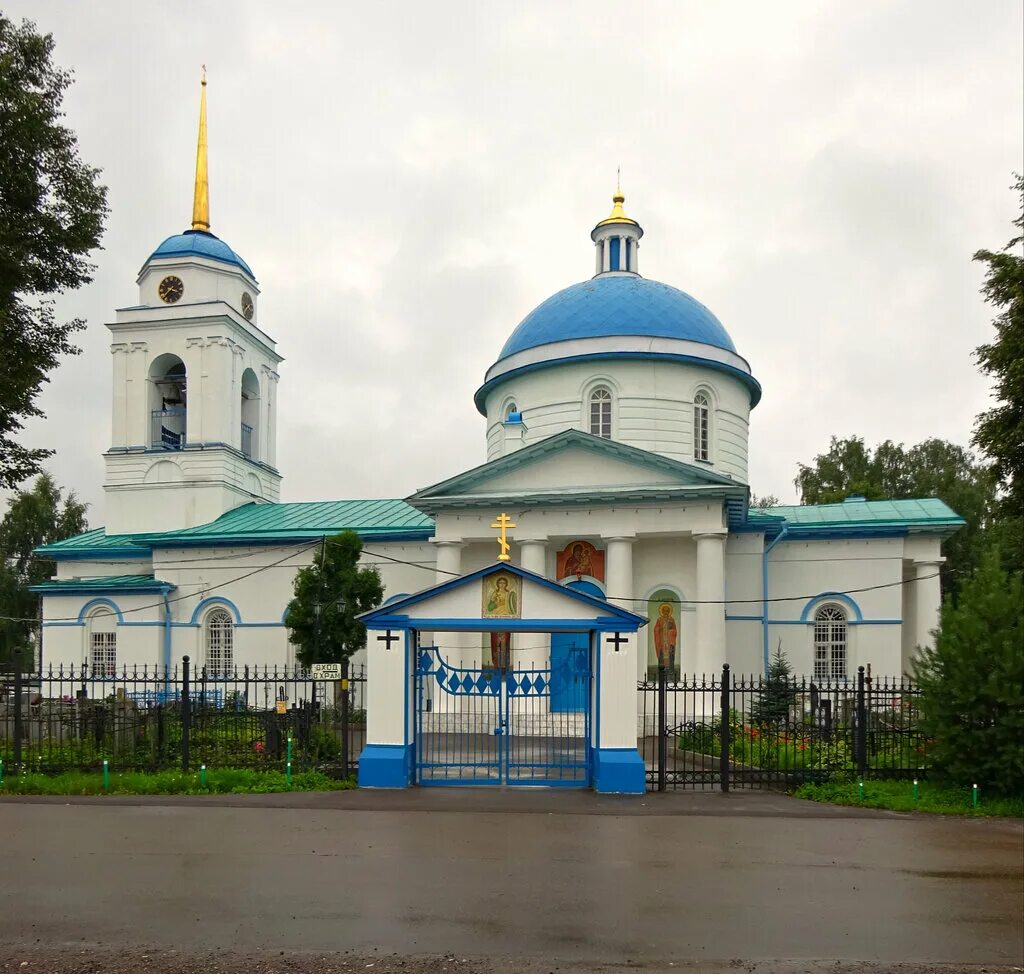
<point>572,878</point>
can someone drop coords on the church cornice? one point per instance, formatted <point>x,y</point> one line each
<point>184,317</point>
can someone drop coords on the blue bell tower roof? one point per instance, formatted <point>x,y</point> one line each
<point>200,243</point>
<point>615,305</point>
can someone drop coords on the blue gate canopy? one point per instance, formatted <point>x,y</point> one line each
<point>533,603</point>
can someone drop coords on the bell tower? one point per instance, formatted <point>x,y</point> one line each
<point>194,421</point>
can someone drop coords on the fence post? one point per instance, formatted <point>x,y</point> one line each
<point>344,717</point>
<point>18,729</point>
<point>662,726</point>
<point>723,759</point>
<point>186,713</point>
<point>861,741</point>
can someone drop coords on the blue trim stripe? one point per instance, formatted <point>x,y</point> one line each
<point>753,386</point>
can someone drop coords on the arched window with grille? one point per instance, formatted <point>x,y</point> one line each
<point>601,413</point>
<point>830,643</point>
<point>220,643</point>
<point>701,427</point>
<point>103,643</point>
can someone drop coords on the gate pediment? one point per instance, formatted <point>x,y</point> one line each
<point>502,598</point>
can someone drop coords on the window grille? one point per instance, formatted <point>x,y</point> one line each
<point>830,643</point>
<point>220,643</point>
<point>601,413</point>
<point>103,653</point>
<point>701,432</point>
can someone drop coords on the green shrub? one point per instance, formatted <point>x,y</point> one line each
<point>972,684</point>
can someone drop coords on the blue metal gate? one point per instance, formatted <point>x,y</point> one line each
<point>488,726</point>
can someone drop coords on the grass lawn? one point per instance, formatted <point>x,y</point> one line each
<point>899,796</point>
<point>219,781</point>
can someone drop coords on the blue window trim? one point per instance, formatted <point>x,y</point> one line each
<point>93,604</point>
<point>219,600</point>
<point>845,600</point>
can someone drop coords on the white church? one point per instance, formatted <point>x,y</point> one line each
<point>616,426</point>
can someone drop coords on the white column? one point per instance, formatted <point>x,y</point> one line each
<point>606,252</point>
<point>636,255</point>
<point>449,560</point>
<point>622,254</point>
<point>456,644</point>
<point>533,555</point>
<point>598,256</point>
<point>617,689</point>
<point>927,602</point>
<point>710,647</point>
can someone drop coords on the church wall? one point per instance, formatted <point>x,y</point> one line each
<point>652,407</point>
<point>818,567</point>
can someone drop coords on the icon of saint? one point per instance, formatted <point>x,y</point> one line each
<point>579,562</point>
<point>502,599</point>
<point>665,635</point>
<point>501,650</point>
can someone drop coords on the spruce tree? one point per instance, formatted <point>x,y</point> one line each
<point>772,706</point>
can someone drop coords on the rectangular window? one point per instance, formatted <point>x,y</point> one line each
<point>613,261</point>
<point>103,655</point>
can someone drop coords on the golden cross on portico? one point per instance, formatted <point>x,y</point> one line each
<point>503,523</point>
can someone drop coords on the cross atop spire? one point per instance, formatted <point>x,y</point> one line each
<point>201,199</point>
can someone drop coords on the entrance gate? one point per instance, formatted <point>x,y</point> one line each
<point>492,726</point>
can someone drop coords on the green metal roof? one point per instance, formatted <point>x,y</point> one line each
<point>298,522</point>
<point>109,583</point>
<point>927,514</point>
<point>96,542</point>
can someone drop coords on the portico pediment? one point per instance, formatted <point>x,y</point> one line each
<point>574,466</point>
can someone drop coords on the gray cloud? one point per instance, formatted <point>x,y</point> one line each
<point>409,180</point>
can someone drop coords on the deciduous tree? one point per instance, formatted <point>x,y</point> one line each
<point>329,594</point>
<point>52,210</point>
<point>37,516</point>
<point>933,468</point>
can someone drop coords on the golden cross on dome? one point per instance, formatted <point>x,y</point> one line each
<point>503,523</point>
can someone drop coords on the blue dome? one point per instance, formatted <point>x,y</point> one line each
<point>199,243</point>
<point>618,305</point>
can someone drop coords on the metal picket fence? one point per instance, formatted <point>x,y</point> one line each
<point>153,718</point>
<point>725,731</point>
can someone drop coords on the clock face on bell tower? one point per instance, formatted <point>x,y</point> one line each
<point>171,289</point>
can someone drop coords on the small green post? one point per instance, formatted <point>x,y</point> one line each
<point>288,773</point>
<point>916,792</point>
<point>106,775</point>
<point>289,748</point>
<point>202,776</point>
<point>1,771</point>
<point>860,791</point>
<point>974,796</point>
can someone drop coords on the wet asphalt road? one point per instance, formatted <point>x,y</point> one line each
<point>568,878</point>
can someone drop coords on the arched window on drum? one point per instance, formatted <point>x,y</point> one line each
<point>601,413</point>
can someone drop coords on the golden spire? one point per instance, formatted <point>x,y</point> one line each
<point>201,200</point>
<point>617,215</point>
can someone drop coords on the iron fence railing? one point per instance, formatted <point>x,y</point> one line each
<point>151,718</point>
<point>776,733</point>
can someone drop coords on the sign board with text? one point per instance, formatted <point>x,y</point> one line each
<point>327,671</point>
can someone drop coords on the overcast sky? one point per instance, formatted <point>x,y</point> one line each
<point>408,180</point>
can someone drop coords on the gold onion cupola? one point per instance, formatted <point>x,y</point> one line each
<point>617,239</point>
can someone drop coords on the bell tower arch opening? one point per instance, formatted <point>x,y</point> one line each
<point>168,403</point>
